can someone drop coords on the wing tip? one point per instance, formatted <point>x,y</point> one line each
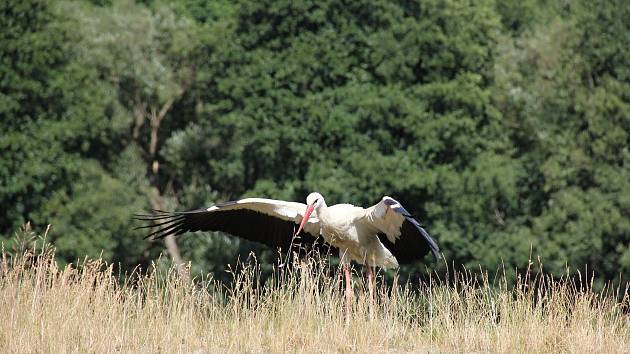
<point>435,249</point>
<point>166,223</point>
<point>397,207</point>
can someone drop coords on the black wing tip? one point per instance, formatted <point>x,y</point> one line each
<point>167,223</point>
<point>435,249</point>
<point>398,208</point>
<point>153,215</point>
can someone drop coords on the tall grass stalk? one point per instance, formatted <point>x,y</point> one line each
<point>86,308</point>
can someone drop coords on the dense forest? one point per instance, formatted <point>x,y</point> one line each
<point>503,126</point>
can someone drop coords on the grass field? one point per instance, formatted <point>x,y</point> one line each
<point>87,309</point>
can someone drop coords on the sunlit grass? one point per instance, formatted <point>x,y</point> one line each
<point>87,308</point>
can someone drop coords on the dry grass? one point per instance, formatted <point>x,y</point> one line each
<point>87,309</point>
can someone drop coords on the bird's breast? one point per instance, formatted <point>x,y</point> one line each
<point>338,234</point>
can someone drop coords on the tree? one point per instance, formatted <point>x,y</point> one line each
<point>357,100</point>
<point>565,91</point>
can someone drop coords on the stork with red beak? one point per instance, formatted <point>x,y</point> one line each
<point>383,235</point>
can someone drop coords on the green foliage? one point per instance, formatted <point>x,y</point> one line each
<point>33,62</point>
<point>65,140</point>
<point>91,216</point>
<point>566,90</point>
<point>504,126</point>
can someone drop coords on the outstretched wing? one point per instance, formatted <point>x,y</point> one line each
<point>400,232</point>
<point>267,221</point>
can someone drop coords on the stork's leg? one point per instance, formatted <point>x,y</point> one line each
<point>370,280</point>
<point>349,295</point>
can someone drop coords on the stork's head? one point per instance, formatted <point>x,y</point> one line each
<point>314,201</point>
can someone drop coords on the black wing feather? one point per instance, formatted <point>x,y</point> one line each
<point>414,242</point>
<point>248,224</point>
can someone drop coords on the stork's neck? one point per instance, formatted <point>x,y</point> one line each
<point>322,211</point>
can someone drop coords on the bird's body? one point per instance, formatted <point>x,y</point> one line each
<point>347,228</point>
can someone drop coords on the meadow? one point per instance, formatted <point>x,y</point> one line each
<point>89,308</point>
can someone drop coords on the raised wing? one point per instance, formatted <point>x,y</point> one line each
<point>400,232</point>
<point>267,221</point>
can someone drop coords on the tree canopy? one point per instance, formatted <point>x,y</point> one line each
<point>503,126</point>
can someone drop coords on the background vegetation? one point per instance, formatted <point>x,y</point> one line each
<point>504,126</point>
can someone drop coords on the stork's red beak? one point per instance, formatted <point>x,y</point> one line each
<point>307,214</point>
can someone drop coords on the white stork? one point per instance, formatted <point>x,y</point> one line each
<point>384,234</point>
